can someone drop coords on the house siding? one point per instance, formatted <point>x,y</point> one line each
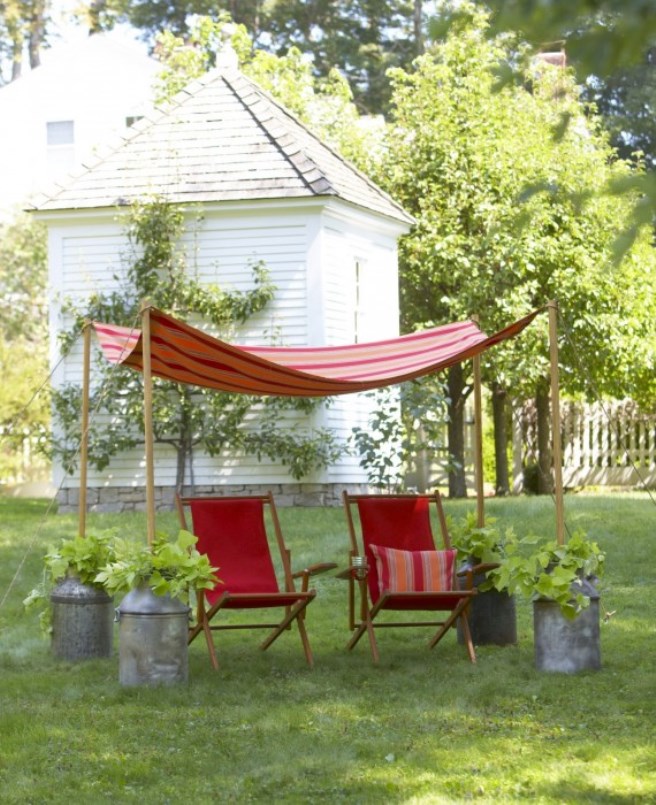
<point>367,314</point>
<point>311,262</point>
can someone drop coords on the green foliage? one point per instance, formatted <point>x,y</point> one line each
<point>81,556</point>
<point>361,39</point>
<point>23,276</point>
<point>183,417</point>
<point>461,154</point>
<point>405,430</point>
<point>532,567</point>
<point>485,544</point>
<point>626,100</point>
<point>599,35</point>
<point>604,40</point>
<point>550,570</point>
<point>22,32</point>
<point>23,344</point>
<point>380,444</point>
<point>168,567</point>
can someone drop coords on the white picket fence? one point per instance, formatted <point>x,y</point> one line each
<point>603,444</point>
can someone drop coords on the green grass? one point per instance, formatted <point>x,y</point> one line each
<point>423,726</point>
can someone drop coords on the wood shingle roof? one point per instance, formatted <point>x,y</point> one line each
<point>221,139</point>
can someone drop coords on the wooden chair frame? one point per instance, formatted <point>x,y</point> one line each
<point>292,601</point>
<point>454,601</point>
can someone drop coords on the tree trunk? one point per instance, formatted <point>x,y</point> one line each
<point>94,15</point>
<point>185,439</point>
<point>37,30</point>
<point>456,432</point>
<point>16,56</point>
<point>417,19</point>
<point>502,484</point>
<point>545,481</point>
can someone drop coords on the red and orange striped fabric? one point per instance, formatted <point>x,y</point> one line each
<point>413,571</point>
<point>184,354</point>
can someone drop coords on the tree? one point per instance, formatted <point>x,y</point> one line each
<point>461,154</point>
<point>361,38</point>
<point>601,37</point>
<point>185,418</point>
<point>404,430</point>
<point>626,100</point>
<point>22,25</point>
<point>23,339</point>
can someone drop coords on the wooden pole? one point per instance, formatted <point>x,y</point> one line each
<point>556,449</point>
<point>84,440</point>
<point>478,440</point>
<point>148,423</point>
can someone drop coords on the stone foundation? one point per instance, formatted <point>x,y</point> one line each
<point>129,499</point>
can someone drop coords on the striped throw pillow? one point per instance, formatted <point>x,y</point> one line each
<point>413,571</point>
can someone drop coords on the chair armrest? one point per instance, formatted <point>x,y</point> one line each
<point>353,572</point>
<point>313,570</point>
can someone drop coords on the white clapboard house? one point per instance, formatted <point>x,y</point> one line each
<point>52,117</point>
<point>269,190</point>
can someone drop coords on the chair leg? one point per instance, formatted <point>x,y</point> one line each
<point>466,632</point>
<point>203,618</point>
<point>289,617</point>
<point>458,612</point>
<point>304,637</point>
<point>210,645</point>
<point>360,630</point>
<point>366,624</point>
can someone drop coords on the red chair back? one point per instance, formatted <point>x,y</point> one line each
<point>232,532</point>
<point>394,522</point>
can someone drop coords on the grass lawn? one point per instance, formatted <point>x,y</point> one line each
<point>423,726</point>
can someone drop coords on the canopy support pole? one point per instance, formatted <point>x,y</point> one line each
<point>148,423</point>
<point>555,423</point>
<point>84,440</point>
<point>478,440</point>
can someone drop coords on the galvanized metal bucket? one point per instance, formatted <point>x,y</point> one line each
<point>153,632</point>
<point>563,645</point>
<point>82,621</point>
<point>492,617</point>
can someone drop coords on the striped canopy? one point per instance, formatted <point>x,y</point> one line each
<point>185,354</point>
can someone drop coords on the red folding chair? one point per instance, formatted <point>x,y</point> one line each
<point>232,531</point>
<point>395,566</point>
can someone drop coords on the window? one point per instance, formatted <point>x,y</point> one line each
<point>60,132</point>
<point>132,119</point>
<point>60,135</point>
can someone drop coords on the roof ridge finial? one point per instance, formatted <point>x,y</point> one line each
<point>226,56</point>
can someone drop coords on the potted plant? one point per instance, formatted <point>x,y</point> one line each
<point>153,616</point>
<point>75,608</point>
<point>482,549</point>
<point>561,581</point>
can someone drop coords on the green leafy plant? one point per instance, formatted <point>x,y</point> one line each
<point>551,570</point>
<point>83,557</point>
<point>526,565</point>
<point>404,433</point>
<point>173,567</point>
<point>484,544</point>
